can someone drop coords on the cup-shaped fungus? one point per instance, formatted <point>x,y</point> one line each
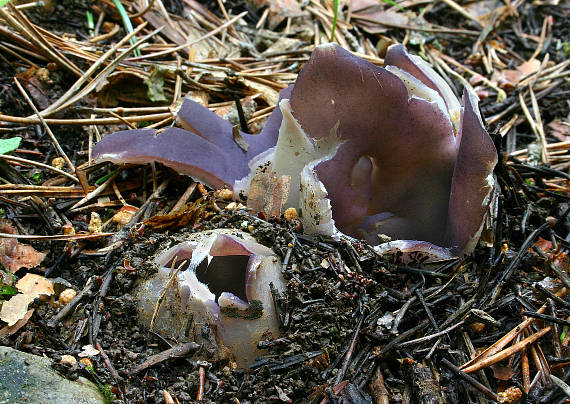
<point>368,150</point>
<point>219,279</point>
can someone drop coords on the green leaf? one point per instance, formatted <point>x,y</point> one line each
<point>126,23</point>
<point>335,18</point>
<point>566,48</point>
<point>4,2</point>
<point>155,85</point>
<point>7,290</point>
<point>90,22</point>
<point>393,3</point>
<point>105,177</point>
<point>9,145</point>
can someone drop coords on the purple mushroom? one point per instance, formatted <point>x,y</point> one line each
<point>221,278</point>
<point>369,150</point>
<point>204,149</point>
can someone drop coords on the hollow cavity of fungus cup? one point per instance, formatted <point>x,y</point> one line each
<point>219,280</point>
<point>368,151</point>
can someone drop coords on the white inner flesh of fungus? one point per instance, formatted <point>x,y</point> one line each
<point>292,153</point>
<point>419,90</point>
<point>315,206</point>
<point>453,104</point>
<point>295,155</point>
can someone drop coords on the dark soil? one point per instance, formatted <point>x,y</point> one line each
<point>337,321</point>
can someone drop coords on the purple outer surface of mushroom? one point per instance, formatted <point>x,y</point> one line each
<point>398,169</point>
<point>414,65</point>
<point>393,173</point>
<point>473,182</point>
<point>205,151</point>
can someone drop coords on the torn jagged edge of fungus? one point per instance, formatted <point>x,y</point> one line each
<point>370,151</point>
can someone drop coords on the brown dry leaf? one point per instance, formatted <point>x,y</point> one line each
<point>543,245</point>
<point>35,285</point>
<point>557,257</point>
<point>31,287</point>
<point>36,81</point>
<point>230,113</point>
<point>509,78</point>
<point>15,309</point>
<point>502,372</point>
<point>199,96</point>
<point>238,138</point>
<point>371,14</point>
<point>563,261</point>
<point>283,44</point>
<point>11,330</point>
<point>529,67</point>
<point>560,130</point>
<point>267,94</point>
<point>15,255</point>
<point>483,10</point>
<point>187,216</point>
<point>126,86</point>
<point>279,9</point>
<point>180,32</point>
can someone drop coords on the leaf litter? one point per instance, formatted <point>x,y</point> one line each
<point>335,344</point>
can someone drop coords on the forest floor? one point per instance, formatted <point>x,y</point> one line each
<point>356,326</point>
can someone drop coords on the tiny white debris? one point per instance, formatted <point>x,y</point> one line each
<point>88,351</point>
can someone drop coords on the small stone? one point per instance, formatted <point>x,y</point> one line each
<point>30,379</point>
<point>95,224</point>
<point>124,215</point>
<point>68,229</point>
<point>225,194</point>
<point>66,296</point>
<point>290,214</point>
<point>551,221</point>
<point>68,360</point>
<point>133,356</point>
<point>58,162</point>
<point>231,206</point>
<point>510,396</point>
